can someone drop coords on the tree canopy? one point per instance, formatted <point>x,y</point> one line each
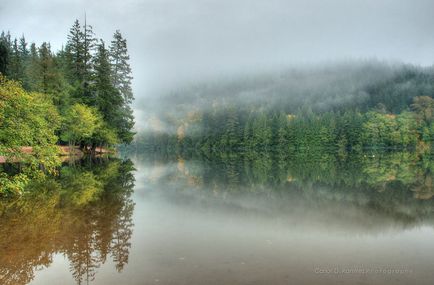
<point>79,95</point>
<point>83,72</point>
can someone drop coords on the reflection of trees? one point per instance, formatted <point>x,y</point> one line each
<point>83,257</point>
<point>384,184</point>
<point>379,172</point>
<point>86,214</point>
<point>230,168</point>
<point>120,243</point>
<point>424,186</point>
<point>26,235</point>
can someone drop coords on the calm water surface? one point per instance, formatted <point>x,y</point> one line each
<point>254,219</point>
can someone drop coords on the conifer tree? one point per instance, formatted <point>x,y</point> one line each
<point>79,52</point>
<point>5,52</point>
<point>32,71</point>
<point>4,57</point>
<point>24,52</point>
<point>106,97</point>
<point>120,67</point>
<point>46,66</point>
<point>75,52</point>
<point>52,81</point>
<point>232,127</point>
<point>15,66</point>
<point>89,44</point>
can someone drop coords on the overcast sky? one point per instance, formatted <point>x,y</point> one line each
<point>171,41</point>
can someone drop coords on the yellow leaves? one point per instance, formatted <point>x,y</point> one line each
<point>86,194</point>
<point>193,116</point>
<point>13,184</point>
<point>80,122</point>
<point>290,117</point>
<point>181,165</point>
<point>9,88</point>
<point>180,132</point>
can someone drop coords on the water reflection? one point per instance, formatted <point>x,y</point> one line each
<point>230,218</point>
<point>270,219</point>
<point>85,214</point>
<point>380,190</point>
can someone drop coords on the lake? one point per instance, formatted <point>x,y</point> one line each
<point>316,218</point>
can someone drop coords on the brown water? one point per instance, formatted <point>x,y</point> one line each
<point>225,222</point>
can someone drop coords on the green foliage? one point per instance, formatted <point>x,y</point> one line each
<point>85,214</point>
<point>105,135</point>
<point>27,120</point>
<point>79,123</point>
<point>77,94</point>
<point>109,99</point>
<point>423,106</point>
<point>4,57</point>
<point>348,106</point>
<point>84,72</point>
<point>372,179</point>
<point>83,186</point>
<point>260,131</point>
<point>121,70</point>
<point>13,184</point>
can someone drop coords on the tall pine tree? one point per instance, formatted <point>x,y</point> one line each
<point>120,67</point>
<point>89,44</point>
<point>16,70</point>
<point>79,52</point>
<point>75,53</point>
<point>4,56</point>
<point>106,97</point>
<point>5,52</point>
<point>109,100</point>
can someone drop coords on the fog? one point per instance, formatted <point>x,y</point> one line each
<point>174,43</point>
<point>334,86</point>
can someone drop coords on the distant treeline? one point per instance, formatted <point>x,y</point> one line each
<point>79,95</point>
<point>234,129</point>
<point>395,111</point>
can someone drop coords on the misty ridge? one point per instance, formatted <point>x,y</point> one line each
<point>334,86</point>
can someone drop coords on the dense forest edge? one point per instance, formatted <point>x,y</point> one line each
<point>78,96</point>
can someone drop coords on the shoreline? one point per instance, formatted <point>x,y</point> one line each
<point>64,151</point>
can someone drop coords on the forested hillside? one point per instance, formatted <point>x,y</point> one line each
<point>354,105</point>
